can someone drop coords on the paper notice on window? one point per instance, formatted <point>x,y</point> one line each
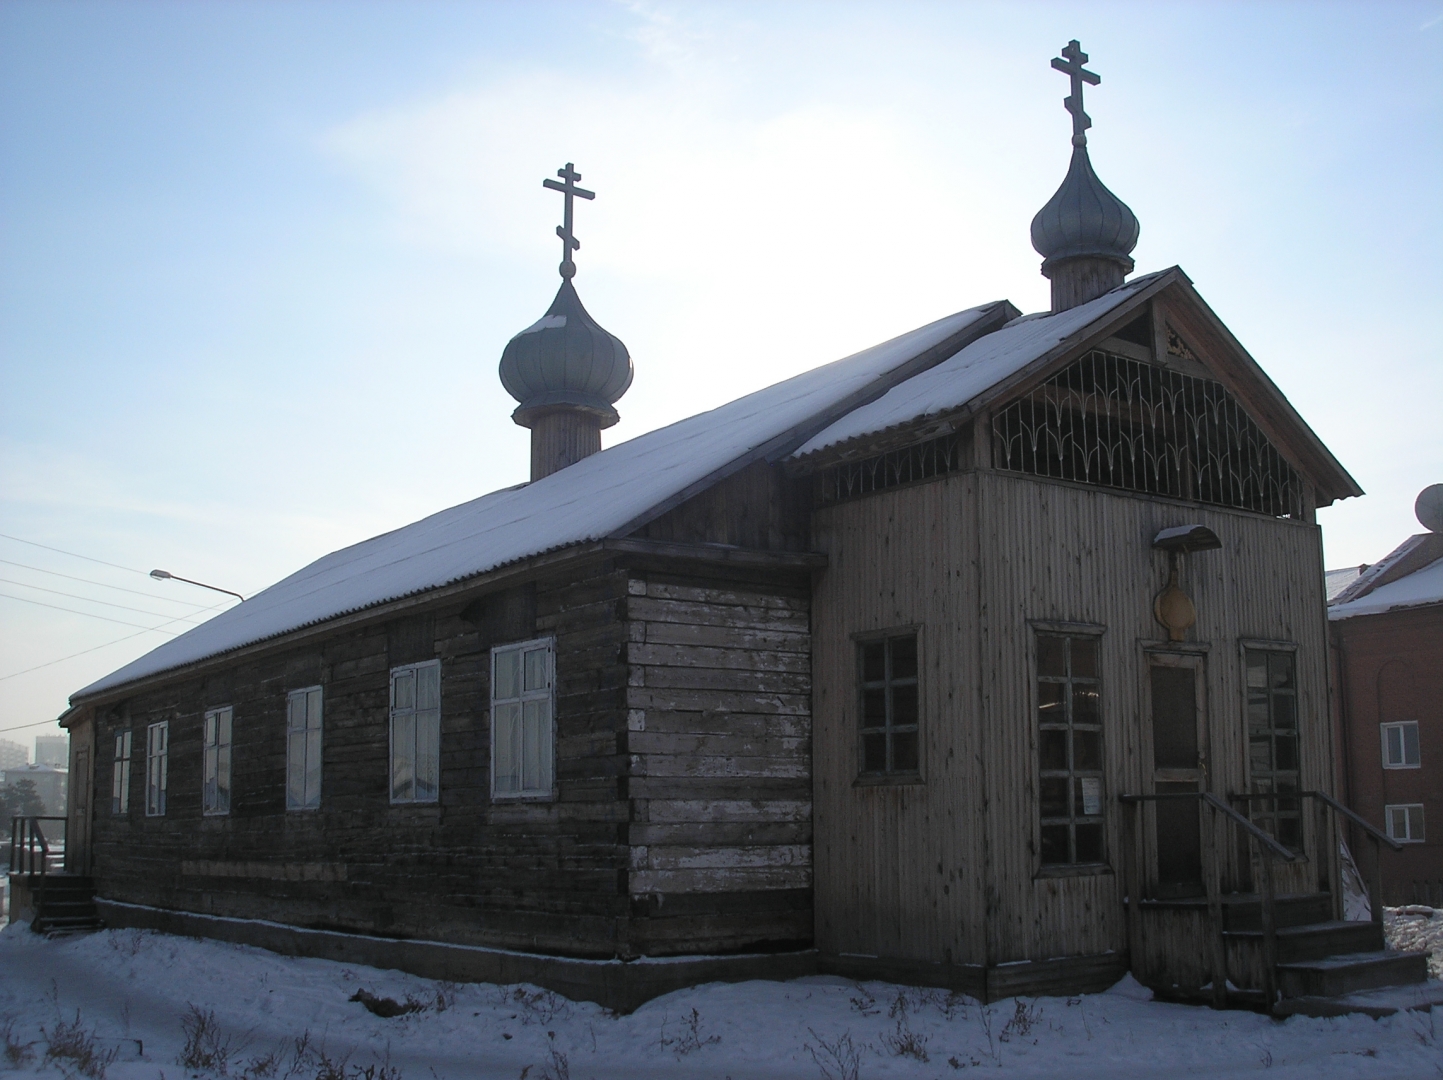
<point>1091,794</point>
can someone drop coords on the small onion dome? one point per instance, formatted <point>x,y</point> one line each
<point>566,361</point>
<point>1084,219</point>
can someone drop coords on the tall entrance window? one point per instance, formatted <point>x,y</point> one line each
<point>1175,693</point>
<point>1273,745</point>
<point>1069,748</point>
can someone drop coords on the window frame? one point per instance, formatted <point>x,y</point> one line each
<point>413,712</point>
<point>307,801</point>
<point>157,767</point>
<point>120,775</point>
<point>1262,806</point>
<point>1402,727</point>
<point>542,792</point>
<point>1076,792</point>
<point>889,729</point>
<point>1408,818</point>
<point>216,753</point>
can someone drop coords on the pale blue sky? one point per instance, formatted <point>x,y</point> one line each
<point>258,260</point>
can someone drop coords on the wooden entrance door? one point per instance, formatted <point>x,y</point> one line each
<point>1179,764</point>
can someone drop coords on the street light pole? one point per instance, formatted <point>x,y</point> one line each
<point>166,575</point>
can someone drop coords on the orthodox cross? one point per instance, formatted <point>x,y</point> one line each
<point>569,243</point>
<point>1072,66</point>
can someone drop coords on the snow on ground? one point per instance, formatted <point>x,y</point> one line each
<point>134,991</point>
<point>1416,928</point>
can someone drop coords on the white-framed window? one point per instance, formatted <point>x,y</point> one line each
<point>416,732</point>
<point>1405,822</point>
<point>303,749</point>
<point>120,778</point>
<point>157,767</point>
<point>522,733</point>
<point>1400,746</point>
<point>215,793</point>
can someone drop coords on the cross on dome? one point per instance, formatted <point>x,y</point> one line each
<point>1072,67</point>
<point>569,243</point>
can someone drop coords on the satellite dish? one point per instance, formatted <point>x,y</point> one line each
<point>1429,508</point>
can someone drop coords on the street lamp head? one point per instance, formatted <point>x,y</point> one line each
<point>160,575</point>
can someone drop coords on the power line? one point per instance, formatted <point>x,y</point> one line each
<point>91,600</point>
<point>72,554</point>
<point>96,648</point>
<point>150,594</point>
<point>22,727</point>
<point>88,615</point>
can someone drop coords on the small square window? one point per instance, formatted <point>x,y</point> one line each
<point>1405,822</point>
<point>1400,746</point>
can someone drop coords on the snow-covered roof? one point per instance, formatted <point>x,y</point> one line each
<point>1421,587</point>
<point>1338,580</point>
<point>590,500</point>
<point>976,369</point>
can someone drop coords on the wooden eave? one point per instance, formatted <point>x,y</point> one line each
<point>941,423</point>
<point>1245,379</point>
<point>538,566</point>
<point>1000,314</point>
<point>1177,302</point>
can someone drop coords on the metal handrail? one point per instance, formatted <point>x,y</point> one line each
<point>1272,846</point>
<point>1368,827</point>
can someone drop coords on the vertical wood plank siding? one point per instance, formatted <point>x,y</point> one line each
<point>719,736</point>
<point>910,871</point>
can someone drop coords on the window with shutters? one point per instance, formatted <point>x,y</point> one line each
<point>120,777</point>
<point>522,730</point>
<point>1400,746</point>
<point>416,733</point>
<point>215,785</point>
<point>303,749</point>
<point>157,767</point>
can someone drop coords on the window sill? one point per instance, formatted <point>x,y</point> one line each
<point>527,797</point>
<point>1071,871</point>
<point>910,779</point>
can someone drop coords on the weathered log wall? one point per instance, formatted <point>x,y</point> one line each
<point>719,734</point>
<point>544,876</point>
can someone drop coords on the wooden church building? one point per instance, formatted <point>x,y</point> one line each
<point>993,656</point>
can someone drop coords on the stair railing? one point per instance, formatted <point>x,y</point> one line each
<point>1377,836</point>
<point>1269,850</point>
<point>30,854</point>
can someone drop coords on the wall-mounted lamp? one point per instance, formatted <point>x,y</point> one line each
<point>1172,607</point>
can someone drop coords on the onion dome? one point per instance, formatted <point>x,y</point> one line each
<point>565,360</point>
<point>1084,220</point>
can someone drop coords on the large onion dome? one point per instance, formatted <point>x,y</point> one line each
<point>565,360</point>
<point>1084,220</point>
